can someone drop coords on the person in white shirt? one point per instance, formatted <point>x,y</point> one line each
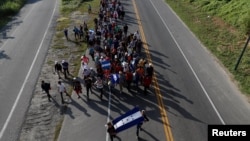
<point>99,86</point>
<point>137,35</point>
<point>61,90</point>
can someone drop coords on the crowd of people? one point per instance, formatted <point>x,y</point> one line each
<point>117,54</point>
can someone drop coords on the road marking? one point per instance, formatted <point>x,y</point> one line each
<point>109,105</point>
<point>166,125</point>
<point>197,78</point>
<point>26,78</point>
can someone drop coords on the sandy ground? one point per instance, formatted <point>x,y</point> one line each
<point>43,116</point>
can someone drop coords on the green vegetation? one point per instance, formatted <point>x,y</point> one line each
<point>8,8</point>
<point>222,26</point>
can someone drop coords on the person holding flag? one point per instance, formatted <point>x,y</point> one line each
<point>113,80</point>
<point>139,125</point>
<point>111,131</point>
<point>129,119</point>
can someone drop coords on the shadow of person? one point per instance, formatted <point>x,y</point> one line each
<point>55,102</point>
<point>152,136</point>
<point>141,139</point>
<point>80,107</point>
<point>69,112</point>
<point>3,55</point>
<point>118,138</point>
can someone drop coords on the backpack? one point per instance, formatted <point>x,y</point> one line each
<point>47,85</point>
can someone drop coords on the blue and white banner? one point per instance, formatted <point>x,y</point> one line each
<point>115,78</point>
<point>127,120</point>
<point>106,64</point>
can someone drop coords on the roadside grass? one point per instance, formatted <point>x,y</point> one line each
<point>66,9</point>
<point>223,40</point>
<point>9,8</point>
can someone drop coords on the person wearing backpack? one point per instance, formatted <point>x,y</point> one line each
<point>46,87</point>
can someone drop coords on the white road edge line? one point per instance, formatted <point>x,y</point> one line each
<point>109,105</point>
<point>26,78</point>
<point>197,78</point>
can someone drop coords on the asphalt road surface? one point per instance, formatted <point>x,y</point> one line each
<point>23,48</point>
<point>195,89</point>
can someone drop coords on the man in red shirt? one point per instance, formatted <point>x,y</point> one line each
<point>146,83</point>
<point>85,59</point>
<point>129,79</point>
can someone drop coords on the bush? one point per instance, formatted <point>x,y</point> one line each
<point>10,7</point>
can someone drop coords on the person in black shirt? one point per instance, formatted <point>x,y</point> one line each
<point>111,131</point>
<point>46,87</point>
<point>150,70</point>
<point>125,29</point>
<point>65,66</point>
<point>88,84</point>
<point>58,69</point>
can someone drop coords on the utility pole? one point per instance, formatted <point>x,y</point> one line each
<point>238,62</point>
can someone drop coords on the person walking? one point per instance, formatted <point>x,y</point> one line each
<point>150,70</point>
<point>66,33</point>
<point>125,30</point>
<point>85,59</point>
<point>99,86</point>
<point>77,86</point>
<point>146,83</point>
<point>61,90</point>
<point>111,131</point>
<point>121,81</point>
<point>88,84</point>
<point>129,79</point>
<point>46,87</point>
<point>76,32</point>
<point>92,53</point>
<point>89,9</point>
<point>65,66</point>
<point>58,69</point>
<point>139,125</point>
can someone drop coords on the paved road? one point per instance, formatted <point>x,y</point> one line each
<point>23,47</point>
<point>195,90</point>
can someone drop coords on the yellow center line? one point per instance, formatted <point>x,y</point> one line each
<point>166,125</point>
